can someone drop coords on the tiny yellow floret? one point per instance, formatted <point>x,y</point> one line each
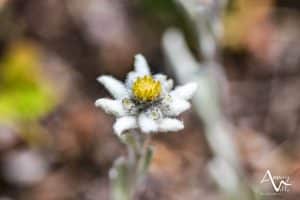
<point>146,88</point>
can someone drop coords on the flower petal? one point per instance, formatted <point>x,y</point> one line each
<point>114,86</point>
<point>147,124</point>
<point>185,91</point>
<point>130,79</point>
<point>114,107</point>
<point>160,77</point>
<point>124,123</point>
<point>141,65</point>
<point>170,124</point>
<point>176,106</point>
<point>166,83</point>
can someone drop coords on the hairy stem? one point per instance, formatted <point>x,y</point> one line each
<point>127,173</point>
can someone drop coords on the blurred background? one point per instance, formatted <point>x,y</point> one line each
<point>55,145</point>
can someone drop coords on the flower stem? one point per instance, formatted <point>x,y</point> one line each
<point>127,173</point>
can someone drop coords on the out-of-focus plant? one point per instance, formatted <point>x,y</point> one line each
<point>145,104</point>
<point>162,8</point>
<point>25,95</point>
<point>206,16</point>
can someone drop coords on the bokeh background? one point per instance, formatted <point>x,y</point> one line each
<point>55,145</point>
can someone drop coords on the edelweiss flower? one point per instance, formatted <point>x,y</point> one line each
<point>146,102</point>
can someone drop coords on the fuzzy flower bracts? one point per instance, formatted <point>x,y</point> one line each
<point>145,101</point>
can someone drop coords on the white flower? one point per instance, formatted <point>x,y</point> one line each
<point>146,102</point>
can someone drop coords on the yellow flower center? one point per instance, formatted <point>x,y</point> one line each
<point>146,88</point>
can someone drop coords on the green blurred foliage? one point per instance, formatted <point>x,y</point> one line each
<point>169,13</point>
<point>24,92</point>
<point>160,7</point>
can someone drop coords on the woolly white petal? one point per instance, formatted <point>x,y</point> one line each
<point>130,79</point>
<point>114,107</point>
<point>124,123</point>
<point>177,106</point>
<point>147,125</point>
<point>169,85</point>
<point>169,124</point>
<point>114,86</point>
<point>166,83</point>
<point>141,65</point>
<point>160,77</point>
<point>185,91</point>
